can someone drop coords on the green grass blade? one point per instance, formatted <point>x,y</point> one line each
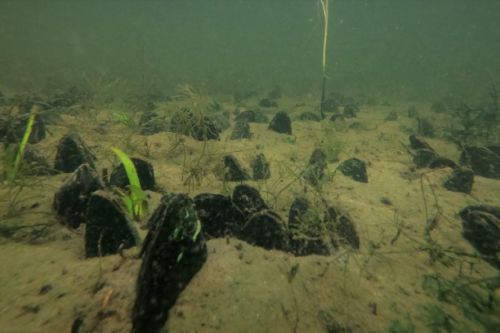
<point>137,197</point>
<point>129,166</point>
<point>11,163</point>
<point>24,141</point>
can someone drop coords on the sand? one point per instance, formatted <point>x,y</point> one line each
<point>46,282</point>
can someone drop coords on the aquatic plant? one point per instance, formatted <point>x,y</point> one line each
<point>125,120</point>
<point>325,8</point>
<point>12,161</point>
<point>135,201</point>
<point>472,296</point>
<point>98,89</point>
<point>401,325</point>
<point>477,123</point>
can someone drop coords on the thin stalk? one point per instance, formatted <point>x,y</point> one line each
<point>325,7</point>
<point>323,89</point>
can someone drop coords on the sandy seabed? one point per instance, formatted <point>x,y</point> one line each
<point>46,283</point>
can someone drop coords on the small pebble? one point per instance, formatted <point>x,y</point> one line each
<point>386,201</point>
<point>45,289</point>
<point>32,308</point>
